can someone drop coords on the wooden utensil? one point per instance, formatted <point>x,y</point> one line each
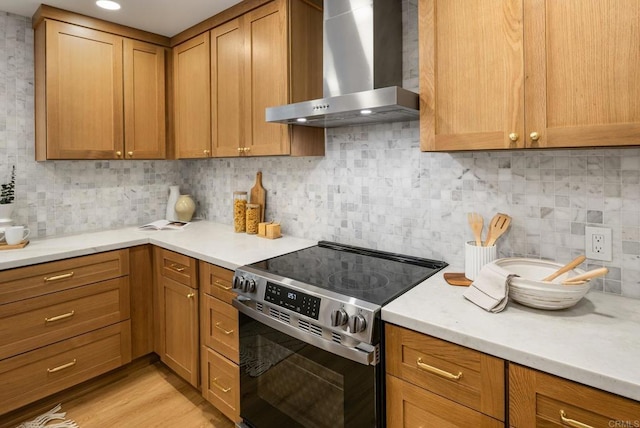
<point>579,279</point>
<point>566,268</point>
<point>258,195</point>
<point>477,223</point>
<point>499,224</point>
<point>455,278</point>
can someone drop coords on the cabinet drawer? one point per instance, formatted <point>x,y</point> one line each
<point>221,383</point>
<point>32,323</point>
<point>216,281</point>
<point>541,399</point>
<point>45,278</point>
<point>468,377</point>
<point>411,406</point>
<point>220,327</point>
<point>180,268</point>
<point>36,374</point>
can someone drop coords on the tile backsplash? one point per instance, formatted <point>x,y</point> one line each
<point>374,188</point>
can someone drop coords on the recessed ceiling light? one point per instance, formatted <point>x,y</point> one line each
<point>365,112</point>
<point>301,119</point>
<point>108,4</point>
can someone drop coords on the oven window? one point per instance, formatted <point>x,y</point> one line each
<point>287,382</point>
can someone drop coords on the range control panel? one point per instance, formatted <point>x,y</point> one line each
<point>293,300</point>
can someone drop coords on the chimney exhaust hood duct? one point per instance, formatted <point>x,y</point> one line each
<point>362,69</point>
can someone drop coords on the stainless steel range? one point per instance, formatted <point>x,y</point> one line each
<point>310,334</point>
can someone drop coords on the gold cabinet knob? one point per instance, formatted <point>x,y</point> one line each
<point>119,153</point>
<point>534,136</point>
<point>514,136</point>
<point>239,149</point>
<point>191,295</point>
<point>246,149</point>
<point>206,152</point>
<point>130,154</point>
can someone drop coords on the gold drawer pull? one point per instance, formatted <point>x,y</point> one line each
<point>62,367</point>
<point>221,285</point>
<point>441,373</point>
<point>571,422</point>
<point>177,268</point>
<point>221,328</point>
<point>60,317</point>
<point>214,381</point>
<point>58,277</point>
<point>191,295</point>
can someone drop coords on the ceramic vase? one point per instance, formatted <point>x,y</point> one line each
<point>6,211</point>
<point>174,194</point>
<point>185,207</point>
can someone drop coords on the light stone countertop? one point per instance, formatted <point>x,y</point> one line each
<point>596,342</point>
<point>212,242</point>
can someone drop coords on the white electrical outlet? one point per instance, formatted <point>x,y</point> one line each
<point>597,243</point>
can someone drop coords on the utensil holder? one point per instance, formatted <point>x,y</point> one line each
<point>476,257</point>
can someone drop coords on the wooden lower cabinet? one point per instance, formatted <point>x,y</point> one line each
<point>468,380</point>
<point>538,399</point>
<point>412,406</point>
<point>44,371</point>
<point>176,313</point>
<point>220,341</point>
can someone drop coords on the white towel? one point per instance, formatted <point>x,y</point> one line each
<point>490,289</point>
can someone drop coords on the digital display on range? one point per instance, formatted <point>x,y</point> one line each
<point>293,300</point>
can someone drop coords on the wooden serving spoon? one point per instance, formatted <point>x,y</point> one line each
<point>477,223</point>
<point>499,224</point>
<point>566,268</point>
<point>580,279</point>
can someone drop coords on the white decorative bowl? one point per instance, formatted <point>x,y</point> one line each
<point>529,289</point>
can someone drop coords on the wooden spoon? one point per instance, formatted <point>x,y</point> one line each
<point>566,268</point>
<point>499,224</point>
<point>579,279</point>
<point>477,223</point>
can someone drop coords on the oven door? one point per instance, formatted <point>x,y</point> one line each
<point>286,382</point>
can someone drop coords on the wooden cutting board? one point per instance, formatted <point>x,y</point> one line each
<point>258,195</point>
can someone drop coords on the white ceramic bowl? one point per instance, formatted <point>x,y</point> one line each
<point>529,289</point>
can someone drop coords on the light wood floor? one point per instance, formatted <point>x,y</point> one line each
<point>145,397</point>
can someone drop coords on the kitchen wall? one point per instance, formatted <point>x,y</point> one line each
<point>374,188</point>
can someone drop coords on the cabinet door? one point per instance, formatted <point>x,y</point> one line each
<point>265,78</point>
<point>542,400</point>
<point>144,100</point>
<point>411,406</point>
<point>83,93</point>
<point>582,62</point>
<point>179,328</point>
<point>471,74</point>
<point>226,89</point>
<point>192,98</point>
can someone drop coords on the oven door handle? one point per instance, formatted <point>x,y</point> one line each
<point>363,354</point>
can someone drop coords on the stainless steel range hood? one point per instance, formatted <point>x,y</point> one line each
<point>362,69</point>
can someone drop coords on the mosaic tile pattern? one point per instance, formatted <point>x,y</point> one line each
<point>374,188</point>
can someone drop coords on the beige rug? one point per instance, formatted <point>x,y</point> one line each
<point>55,415</point>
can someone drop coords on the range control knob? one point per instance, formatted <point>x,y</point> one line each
<point>357,324</point>
<point>339,317</point>
<point>238,281</point>
<point>249,286</point>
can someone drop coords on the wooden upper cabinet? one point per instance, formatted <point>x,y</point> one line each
<point>191,98</point>
<point>100,89</point>
<point>266,78</point>
<point>268,56</point>
<point>144,98</point>
<point>83,95</point>
<point>506,74</point>
<point>227,56</point>
<point>582,63</point>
